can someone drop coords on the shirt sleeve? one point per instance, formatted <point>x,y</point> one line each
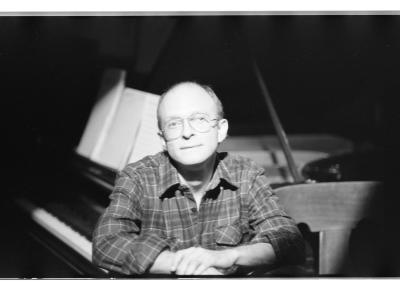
<point>118,243</point>
<point>271,223</point>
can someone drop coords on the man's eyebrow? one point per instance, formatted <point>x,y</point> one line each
<point>200,113</point>
<point>172,118</point>
<point>194,113</point>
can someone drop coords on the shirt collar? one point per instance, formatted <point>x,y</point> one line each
<point>221,176</point>
<point>171,178</point>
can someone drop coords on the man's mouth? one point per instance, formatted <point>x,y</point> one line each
<point>190,146</point>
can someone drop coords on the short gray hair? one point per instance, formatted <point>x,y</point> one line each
<point>208,89</point>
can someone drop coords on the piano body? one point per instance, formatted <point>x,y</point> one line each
<point>61,205</point>
<point>65,224</point>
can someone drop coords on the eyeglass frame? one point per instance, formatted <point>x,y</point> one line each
<point>182,120</point>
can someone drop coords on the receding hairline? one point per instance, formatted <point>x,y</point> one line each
<point>206,88</point>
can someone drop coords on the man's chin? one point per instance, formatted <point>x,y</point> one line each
<point>192,162</point>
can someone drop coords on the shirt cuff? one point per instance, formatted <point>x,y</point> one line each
<point>288,245</point>
<point>144,252</point>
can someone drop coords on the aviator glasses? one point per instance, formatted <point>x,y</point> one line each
<point>199,122</point>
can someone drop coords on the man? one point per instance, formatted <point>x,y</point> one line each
<point>190,210</point>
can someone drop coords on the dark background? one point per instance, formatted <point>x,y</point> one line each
<point>325,73</point>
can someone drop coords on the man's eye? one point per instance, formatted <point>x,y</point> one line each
<point>201,119</point>
<point>173,124</point>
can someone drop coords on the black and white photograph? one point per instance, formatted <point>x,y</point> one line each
<point>197,145</point>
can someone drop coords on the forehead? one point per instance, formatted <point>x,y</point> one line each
<point>184,100</point>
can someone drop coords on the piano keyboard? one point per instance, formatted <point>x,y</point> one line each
<point>58,228</point>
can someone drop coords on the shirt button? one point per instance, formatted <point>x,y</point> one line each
<point>193,210</point>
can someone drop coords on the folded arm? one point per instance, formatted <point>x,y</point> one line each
<point>197,260</point>
<point>272,225</point>
<point>118,244</point>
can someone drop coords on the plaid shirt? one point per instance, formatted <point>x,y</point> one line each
<point>151,211</point>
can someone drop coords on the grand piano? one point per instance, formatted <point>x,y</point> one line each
<point>64,222</point>
<point>65,192</point>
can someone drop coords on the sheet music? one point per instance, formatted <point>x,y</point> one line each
<point>123,131</point>
<point>147,141</point>
<point>100,119</point>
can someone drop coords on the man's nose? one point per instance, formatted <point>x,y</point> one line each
<point>187,130</point>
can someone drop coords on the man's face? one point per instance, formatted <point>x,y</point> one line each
<point>191,147</point>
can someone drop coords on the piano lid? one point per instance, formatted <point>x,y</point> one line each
<point>317,81</point>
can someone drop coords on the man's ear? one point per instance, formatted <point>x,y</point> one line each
<point>223,127</point>
<point>163,143</point>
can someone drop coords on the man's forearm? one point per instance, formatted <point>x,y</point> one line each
<point>163,263</point>
<point>247,255</point>
<point>197,259</point>
<point>252,255</point>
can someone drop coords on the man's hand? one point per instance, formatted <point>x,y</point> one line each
<point>197,261</point>
<point>212,271</point>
